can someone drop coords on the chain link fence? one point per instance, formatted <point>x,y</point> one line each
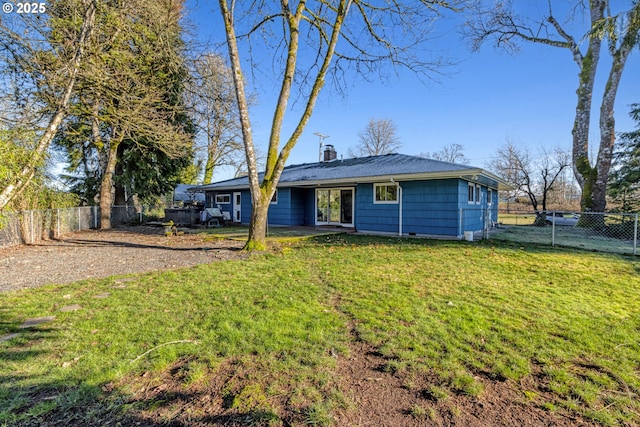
<point>604,232</point>
<point>31,227</point>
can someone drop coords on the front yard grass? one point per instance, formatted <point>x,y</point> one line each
<point>562,326</point>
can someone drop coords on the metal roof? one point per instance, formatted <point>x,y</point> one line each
<point>366,169</point>
<point>182,193</point>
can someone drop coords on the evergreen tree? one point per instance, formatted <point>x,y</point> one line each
<point>624,183</point>
<point>128,130</point>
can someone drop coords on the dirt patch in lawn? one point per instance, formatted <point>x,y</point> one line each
<point>95,254</point>
<point>373,398</point>
<point>381,397</point>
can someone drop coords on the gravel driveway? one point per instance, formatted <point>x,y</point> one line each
<point>95,254</point>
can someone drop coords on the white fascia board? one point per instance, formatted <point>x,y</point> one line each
<point>204,189</point>
<point>382,178</point>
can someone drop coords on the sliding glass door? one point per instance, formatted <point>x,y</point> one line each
<point>334,206</point>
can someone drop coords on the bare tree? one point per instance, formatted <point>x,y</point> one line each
<point>535,177</point>
<point>513,164</point>
<point>214,110</point>
<point>501,24</point>
<point>26,62</point>
<point>303,39</point>
<point>452,153</point>
<point>378,138</point>
<point>551,166</point>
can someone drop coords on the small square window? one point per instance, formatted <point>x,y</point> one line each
<point>385,193</point>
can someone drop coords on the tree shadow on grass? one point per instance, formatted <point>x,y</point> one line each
<point>138,399</point>
<point>18,338</point>
<point>115,243</point>
<point>182,409</point>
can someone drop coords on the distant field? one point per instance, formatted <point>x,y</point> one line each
<point>516,219</point>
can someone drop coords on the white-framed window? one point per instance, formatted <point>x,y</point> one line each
<point>223,199</point>
<point>489,196</point>
<point>471,193</point>
<point>474,193</point>
<point>385,193</point>
<point>274,199</point>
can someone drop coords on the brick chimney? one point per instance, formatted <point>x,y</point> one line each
<point>329,153</point>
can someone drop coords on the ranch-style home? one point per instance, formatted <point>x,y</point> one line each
<point>393,193</point>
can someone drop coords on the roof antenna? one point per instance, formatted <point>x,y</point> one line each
<point>322,138</point>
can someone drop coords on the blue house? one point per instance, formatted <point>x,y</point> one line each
<point>393,193</point>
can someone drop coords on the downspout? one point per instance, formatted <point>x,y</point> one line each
<point>399,207</point>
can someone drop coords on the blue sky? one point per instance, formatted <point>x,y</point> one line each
<point>487,98</point>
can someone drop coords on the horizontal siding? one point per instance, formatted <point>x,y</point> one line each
<point>245,212</point>
<point>280,213</point>
<point>374,217</point>
<point>431,207</point>
<point>310,212</point>
<point>428,208</point>
<point>298,206</point>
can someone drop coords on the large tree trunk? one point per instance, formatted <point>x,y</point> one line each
<point>208,170</point>
<point>120,193</point>
<point>258,226</point>
<point>593,180</point>
<point>257,232</point>
<point>106,188</point>
<point>212,152</point>
<point>607,128</point>
<point>588,64</point>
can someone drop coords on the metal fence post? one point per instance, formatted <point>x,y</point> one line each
<point>553,229</point>
<point>635,236</point>
<point>31,226</point>
<point>486,223</point>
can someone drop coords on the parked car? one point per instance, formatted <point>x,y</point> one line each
<point>562,218</point>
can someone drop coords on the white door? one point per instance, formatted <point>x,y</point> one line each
<point>237,207</point>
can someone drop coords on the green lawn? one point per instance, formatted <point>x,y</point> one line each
<point>563,326</point>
